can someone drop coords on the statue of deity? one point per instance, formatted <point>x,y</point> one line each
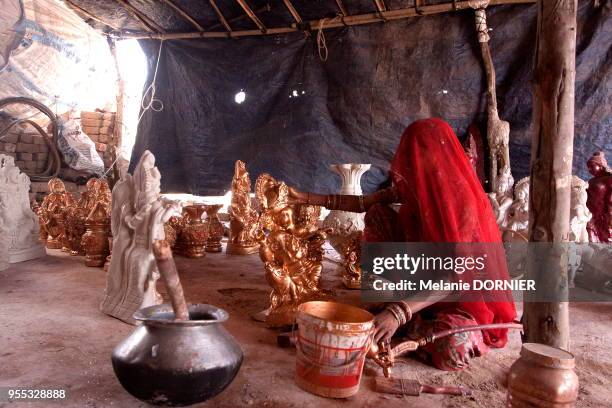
<point>501,199</point>
<point>52,212</point>
<point>579,213</point>
<point>599,200</point>
<point>19,222</point>
<point>138,217</point>
<point>243,219</point>
<point>351,275</point>
<point>76,216</point>
<point>291,250</point>
<point>95,241</point>
<point>518,213</point>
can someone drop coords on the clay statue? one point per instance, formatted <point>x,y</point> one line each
<point>243,218</point>
<point>76,216</point>
<point>193,234</point>
<point>351,274</point>
<point>599,200</point>
<point>292,251</point>
<point>501,199</point>
<point>95,241</point>
<point>214,227</point>
<point>19,222</point>
<point>52,212</point>
<point>579,213</point>
<point>138,217</point>
<point>518,213</point>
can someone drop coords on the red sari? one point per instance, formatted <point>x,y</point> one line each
<point>443,201</point>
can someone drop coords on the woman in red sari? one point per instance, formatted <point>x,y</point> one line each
<point>441,201</point>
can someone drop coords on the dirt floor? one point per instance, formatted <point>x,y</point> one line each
<point>52,335</point>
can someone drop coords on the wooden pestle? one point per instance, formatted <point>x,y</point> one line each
<point>167,269</point>
<point>404,386</point>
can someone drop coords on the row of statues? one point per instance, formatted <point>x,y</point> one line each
<point>591,204</point>
<point>77,226</point>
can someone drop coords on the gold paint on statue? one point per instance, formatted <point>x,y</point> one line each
<point>292,251</point>
<point>244,220</point>
<point>95,240</point>
<point>351,275</point>
<point>52,212</point>
<point>214,228</point>
<point>191,241</point>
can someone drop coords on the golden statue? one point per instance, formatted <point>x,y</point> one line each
<point>77,214</point>
<point>351,274</point>
<point>292,251</point>
<point>243,219</point>
<point>52,212</point>
<point>95,240</point>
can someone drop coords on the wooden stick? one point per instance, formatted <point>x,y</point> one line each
<point>404,386</point>
<point>380,5</point>
<point>222,19</point>
<point>342,8</point>
<point>184,14</point>
<point>293,11</point>
<point>252,15</point>
<point>551,170</point>
<point>167,269</point>
<point>118,129</point>
<point>150,25</point>
<point>89,15</point>
<point>361,19</point>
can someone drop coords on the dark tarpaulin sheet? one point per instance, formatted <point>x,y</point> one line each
<point>377,79</point>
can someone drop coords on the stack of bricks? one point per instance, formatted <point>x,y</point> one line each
<point>99,126</point>
<point>27,147</point>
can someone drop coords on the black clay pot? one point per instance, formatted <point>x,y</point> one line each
<point>176,363</point>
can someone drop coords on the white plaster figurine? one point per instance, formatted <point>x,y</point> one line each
<point>137,221</point>
<point>20,223</point>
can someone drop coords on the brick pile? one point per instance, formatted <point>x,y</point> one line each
<point>28,148</point>
<point>99,126</point>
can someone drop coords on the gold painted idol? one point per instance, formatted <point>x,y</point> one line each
<point>243,218</point>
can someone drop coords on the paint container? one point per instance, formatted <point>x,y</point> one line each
<point>542,377</point>
<point>332,342</point>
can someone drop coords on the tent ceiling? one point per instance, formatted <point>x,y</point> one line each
<point>222,18</point>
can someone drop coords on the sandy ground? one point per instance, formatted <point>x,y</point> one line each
<point>53,336</point>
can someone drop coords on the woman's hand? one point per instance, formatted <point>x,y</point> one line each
<point>385,325</point>
<point>297,197</point>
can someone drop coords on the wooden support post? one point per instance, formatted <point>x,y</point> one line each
<point>551,168</point>
<point>118,129</point>
<point>146,22</point>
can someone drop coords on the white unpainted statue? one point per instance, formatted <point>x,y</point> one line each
<point>20,223</point>
<point>137,221</point>
<point>579,213</point>
<point>501,199</point>
<point>518,213</point>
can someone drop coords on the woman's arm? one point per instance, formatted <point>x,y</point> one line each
<point>399,313</point>
<point>349,203</point>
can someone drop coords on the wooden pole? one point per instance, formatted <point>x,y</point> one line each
<point>146,22</point>
<point>90,15</point>
<point>551,169</point>
<point>184,14</point>
<point>118,129</point>
<point>220,15</point>
<point>368,18</point>
<point>293,11</point>
<point>252,15</point>
<point>341,8</point>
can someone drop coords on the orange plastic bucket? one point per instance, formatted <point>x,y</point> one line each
<point>332,341</point>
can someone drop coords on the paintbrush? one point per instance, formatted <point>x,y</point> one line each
<point>405,386</point>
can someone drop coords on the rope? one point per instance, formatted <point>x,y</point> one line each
<point>154,104</point>
<point>481,25</point>
<point>322,46</point>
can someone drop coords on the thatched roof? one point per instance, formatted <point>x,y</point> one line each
<point>236,18</point>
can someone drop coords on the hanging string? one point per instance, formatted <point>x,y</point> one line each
<point>481,25</point>
<point>322,46</point>
<point>154,104</point>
